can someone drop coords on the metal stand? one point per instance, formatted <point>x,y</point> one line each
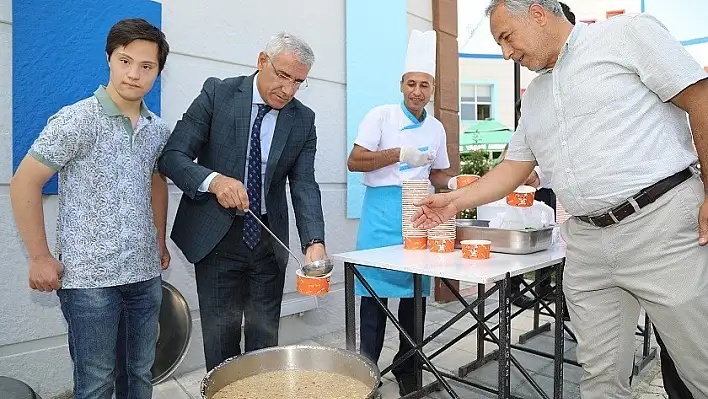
<point>484,333</point>
<point>648,353</point>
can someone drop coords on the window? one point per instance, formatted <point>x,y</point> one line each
<point>475,102</point>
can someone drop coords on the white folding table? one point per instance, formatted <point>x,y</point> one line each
<point>497,270</point>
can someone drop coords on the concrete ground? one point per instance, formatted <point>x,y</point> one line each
<point>647,385</point>
<point>652,386</point>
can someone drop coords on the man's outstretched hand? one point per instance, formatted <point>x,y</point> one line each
<point>434,210</point>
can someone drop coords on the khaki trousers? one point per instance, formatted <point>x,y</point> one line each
<point>650,259</point>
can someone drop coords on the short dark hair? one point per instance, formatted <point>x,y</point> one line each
<point>127,31</point>
<point>518,109</point>
<point>568,14</point>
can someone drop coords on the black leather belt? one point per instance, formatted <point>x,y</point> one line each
<point>638,201</point>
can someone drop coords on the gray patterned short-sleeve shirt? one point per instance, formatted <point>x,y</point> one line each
<point>106,233</point>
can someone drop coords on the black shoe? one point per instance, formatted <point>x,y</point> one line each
<point>406,384</point>
<point>547,292</point>
<point>524,302</point>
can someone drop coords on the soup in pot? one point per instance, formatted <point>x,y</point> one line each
<point>295,384</point>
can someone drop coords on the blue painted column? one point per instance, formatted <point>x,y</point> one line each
<point>376,42</point>
<point>59,58</point>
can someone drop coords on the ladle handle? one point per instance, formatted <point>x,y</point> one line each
<point>276,238</point>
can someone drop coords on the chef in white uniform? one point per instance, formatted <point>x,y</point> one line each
<point>396,142</point>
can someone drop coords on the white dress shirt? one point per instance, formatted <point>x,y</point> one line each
<point>543,181</point>
<point>600,124</point>
<point>267,130</point>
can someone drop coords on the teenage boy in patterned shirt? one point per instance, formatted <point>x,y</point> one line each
<point>112,215</point>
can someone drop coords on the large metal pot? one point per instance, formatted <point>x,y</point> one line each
<point>296,357</point>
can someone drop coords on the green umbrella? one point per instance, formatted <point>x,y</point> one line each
<point>487,135</point>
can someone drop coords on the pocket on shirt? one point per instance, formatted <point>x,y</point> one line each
<point>590,98</point>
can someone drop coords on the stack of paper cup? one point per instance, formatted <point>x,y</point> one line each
<point>441,238</point>
<point>413,191</point>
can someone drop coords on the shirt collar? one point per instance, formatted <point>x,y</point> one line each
<point>257,99</point>
<point>111,109</point>
<point>569,42</point>
<point>412,118</point>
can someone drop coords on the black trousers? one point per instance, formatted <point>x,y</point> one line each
<point>235,283</point>
<point>373,329</point>
<point>547,196</point>
<point>673,384</point>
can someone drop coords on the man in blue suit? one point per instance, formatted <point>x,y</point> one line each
<point>250,137</point>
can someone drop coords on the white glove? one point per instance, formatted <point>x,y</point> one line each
<point>452,183</point>
<point>414,157</point>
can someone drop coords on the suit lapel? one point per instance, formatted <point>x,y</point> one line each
<point>282,129</point>
<point>243,98</point>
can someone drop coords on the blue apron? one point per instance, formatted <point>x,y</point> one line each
<point>380,225</point>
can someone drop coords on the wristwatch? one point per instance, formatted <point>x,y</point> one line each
<point>312,242</point>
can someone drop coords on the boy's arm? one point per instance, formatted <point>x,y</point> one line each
<point>26,198</point>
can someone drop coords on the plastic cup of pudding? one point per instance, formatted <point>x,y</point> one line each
<point>466,180</point>
<point>476,249</point>
<point>312,286</point>
<point>415,243</point>
<point>441,245</point>
<point>522,197</point>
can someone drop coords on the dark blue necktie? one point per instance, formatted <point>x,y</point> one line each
<point>251,228</point>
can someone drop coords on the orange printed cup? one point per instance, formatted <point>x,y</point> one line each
<point>415,242</point>
<point>476,249</point>
<point>313,286</point>
<point>441,245</point>
<point>466,180</point>
<point>522,197</point>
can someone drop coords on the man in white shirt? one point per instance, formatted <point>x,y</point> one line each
<point>605,119</point>
<point>396,142</point>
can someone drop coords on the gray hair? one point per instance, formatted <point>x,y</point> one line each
<point>284,42</point>
<point>521,7</point>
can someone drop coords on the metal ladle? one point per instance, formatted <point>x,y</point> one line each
<point>314,269</point>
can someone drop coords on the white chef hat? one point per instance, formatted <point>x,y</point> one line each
<point>421,55</point>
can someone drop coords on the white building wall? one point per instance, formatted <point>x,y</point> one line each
<point>215,38</point>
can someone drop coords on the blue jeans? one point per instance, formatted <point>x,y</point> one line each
<point>94,317</point>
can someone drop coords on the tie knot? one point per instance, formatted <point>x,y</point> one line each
<point>263,109</point>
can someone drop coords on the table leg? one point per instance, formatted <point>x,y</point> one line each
<point>418,327</point>
<point>481,359</point>
<point>538,328</point>
<point>537,307</point>
<point>648,353</point>
<point>417,350</point>
<point>481,289</point>
<point>349,306</point>
<point>559,335</point>
<point>504,338</point>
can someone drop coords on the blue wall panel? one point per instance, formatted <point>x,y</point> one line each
<point>58,58</point>
<point>377,38</point>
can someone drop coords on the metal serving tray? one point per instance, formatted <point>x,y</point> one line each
<point>503,240</point>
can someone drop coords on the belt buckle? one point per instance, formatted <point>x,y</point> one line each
<point>613,217</point>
